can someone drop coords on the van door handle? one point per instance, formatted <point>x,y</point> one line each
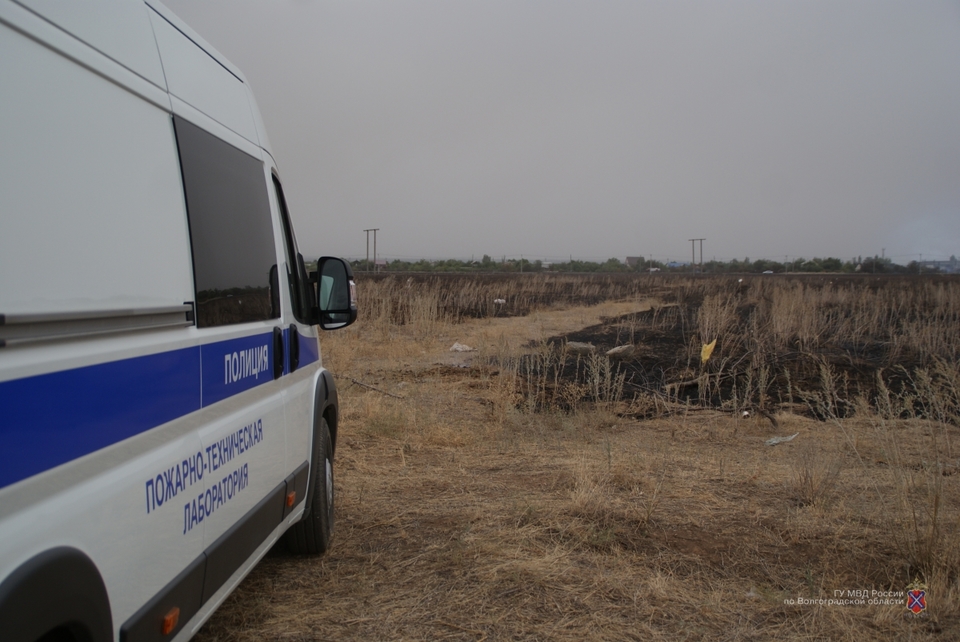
<point>294,347</point>
<point>277,353</point>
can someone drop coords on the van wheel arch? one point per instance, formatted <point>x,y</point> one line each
<point>327,401</point>
<point>56,595</point>
<point>311,535</point>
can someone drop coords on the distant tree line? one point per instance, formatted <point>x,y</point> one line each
<point>870,265</point>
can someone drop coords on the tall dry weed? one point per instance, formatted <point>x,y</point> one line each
<point>718,317</point>
<point>816,473</point>
<point>926,532</point>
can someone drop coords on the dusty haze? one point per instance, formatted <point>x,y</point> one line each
<point>607,129</point>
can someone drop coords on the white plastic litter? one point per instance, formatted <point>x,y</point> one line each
<point>578,347</point>
<point>773,441</point>
<point>622,352</point>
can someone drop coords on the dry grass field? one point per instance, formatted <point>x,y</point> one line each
<point>530,490</point>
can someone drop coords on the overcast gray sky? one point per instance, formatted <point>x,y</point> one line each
<point>600,129</point>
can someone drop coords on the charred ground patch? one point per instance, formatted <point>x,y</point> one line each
<point>823,351</point>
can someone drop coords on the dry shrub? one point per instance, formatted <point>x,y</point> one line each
<point>921,509</point>
<point>718,317</point>
<point>815,475</point>
<point>928,538</point>
<point>610,510</point>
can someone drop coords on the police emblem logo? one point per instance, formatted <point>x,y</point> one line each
<point>916,597</point>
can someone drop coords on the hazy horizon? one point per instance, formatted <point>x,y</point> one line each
<point>607,129</point>
<point>678,260</point>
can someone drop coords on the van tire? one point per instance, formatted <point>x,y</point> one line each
<point>312,534</point>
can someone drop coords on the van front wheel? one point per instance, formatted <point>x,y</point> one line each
<point>312,534</point>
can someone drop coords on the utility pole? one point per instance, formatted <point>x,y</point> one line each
<point>374,230</point>
<point>693,253</point>
<point>366,263</point>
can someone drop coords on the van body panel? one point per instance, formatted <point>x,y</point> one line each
<point>154,547</point>
<point>45,33</point>
<point>160,376</point>
<point>246,439</point>
<point>112,401</point>
<point>54,195</point>
<point>119,29</point>
<point>159,492</point>
<point>198,79</point>
<point>217,598</point>
<point>162,10</point>
<point>258,121</point>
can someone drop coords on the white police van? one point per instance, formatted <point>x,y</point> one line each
<point>164,414</point>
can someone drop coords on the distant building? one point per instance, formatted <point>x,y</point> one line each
<point>952,266</point>
<point>633,260</point>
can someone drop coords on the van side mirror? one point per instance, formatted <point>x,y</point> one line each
<point>336,293</point>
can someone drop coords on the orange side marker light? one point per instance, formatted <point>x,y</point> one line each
<point>291,497</point>
<point>170,620</point>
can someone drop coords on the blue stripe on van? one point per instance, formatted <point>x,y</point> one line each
<point>230,367</point>
<point>51,419</point>
<point>309,350</point>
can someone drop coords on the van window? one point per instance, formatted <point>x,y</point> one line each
<point>296,271</point>
<point>231,233</point>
